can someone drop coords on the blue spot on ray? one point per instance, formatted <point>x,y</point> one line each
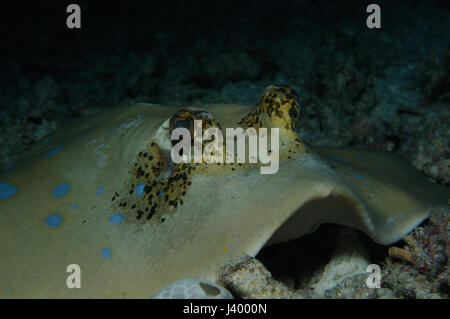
<point>337,158</point>
<point>100,191</point>
<point>358,176</point>
<point>74,206</point>
<point>46,140</point>
<point>61,189</point>
<point>359,157</point>
<point>111,132</point>
<point>53,151</point>
<point>53,221</point>
<point>7,191</point>
<point>140,189</point>
<point>117,218</point>
<point>106,253</point>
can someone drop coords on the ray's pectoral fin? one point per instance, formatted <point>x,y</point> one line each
<point>373,191</point>
<point>395,195</point>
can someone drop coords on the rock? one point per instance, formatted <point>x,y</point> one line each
<point>193,288</point>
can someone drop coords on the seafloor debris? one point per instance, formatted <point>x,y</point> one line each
<point>247,277</point>
<point>420,268</point>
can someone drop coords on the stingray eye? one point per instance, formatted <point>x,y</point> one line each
<point>186,118</point>
<point>278,107</point>
<point>182,119</point>
<point>281,104</point>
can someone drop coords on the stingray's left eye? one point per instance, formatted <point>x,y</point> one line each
<point>182,119</point>
<point>186,118</point>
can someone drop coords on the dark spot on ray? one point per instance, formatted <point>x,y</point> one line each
<point>140,172</point>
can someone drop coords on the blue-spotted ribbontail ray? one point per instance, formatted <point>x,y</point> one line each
<point>103,193</point>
